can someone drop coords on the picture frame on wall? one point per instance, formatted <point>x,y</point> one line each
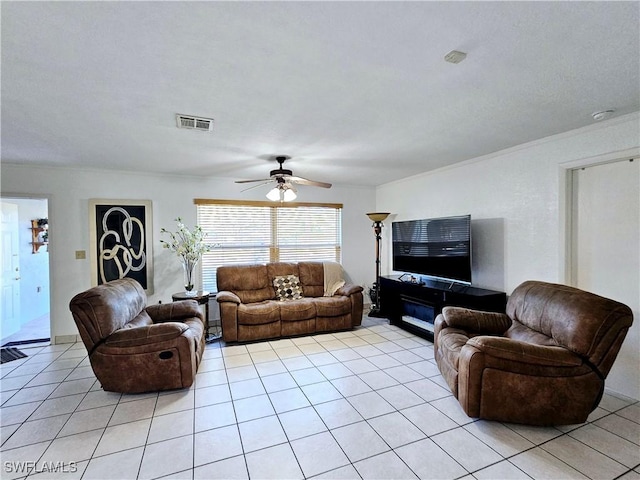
<point>121,243</point>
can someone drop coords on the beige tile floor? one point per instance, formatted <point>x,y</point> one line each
<point>368,403</point>
<point>35,329</point>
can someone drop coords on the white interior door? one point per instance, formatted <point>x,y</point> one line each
<point>606,251</point>
<point>10,305</point>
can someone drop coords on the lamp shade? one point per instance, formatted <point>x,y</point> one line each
<point>289,195</point>
<point>274,194</point>
<point>378,216</point>
<point>284,193</point>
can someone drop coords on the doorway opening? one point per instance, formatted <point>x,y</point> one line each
<point>603,254</point>
<point>26,304</point>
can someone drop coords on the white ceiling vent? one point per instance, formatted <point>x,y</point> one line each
<point>194,123</point>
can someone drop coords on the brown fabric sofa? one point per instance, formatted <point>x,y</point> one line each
<point>544,362</point>
<point>134,348</point>
<point>249,309</point>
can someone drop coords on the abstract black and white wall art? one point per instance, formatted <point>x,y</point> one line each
<point>121,241</point>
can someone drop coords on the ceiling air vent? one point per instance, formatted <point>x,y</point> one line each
<point>194,123</point>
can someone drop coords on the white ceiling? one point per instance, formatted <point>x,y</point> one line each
<point>356,92</point>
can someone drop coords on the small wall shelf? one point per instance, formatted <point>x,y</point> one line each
<point>35,236</point>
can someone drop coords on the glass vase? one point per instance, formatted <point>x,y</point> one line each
<point>189,269</point>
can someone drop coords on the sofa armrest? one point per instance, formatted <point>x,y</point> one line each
<point>493,371</point>
<point>348,290</point>
<point>229,303</point>
<point>489,323</point>
<point>147,335</point>
<point>225,296</point>
<point>175,311</point>
<point>509,350</point>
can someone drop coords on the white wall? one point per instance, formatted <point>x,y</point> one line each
<point>516,199</point>
<point>70,189</point>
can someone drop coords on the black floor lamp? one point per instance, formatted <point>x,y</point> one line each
<point>374,292</point>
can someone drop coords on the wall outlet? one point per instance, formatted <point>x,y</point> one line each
<point>81,254</point>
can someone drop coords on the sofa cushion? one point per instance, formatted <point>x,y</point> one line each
<point>287,287</point>
<point>250,283</point>
<point>279,269</point>
<point>518,331</point>
<point>141,320</point>
<point>312,278</point>
<point>303,309</point>
<point>259,313</point>
<point>332,306</point>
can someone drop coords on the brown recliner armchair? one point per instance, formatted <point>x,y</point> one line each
<point>134,348</point>
<point>544,362</point>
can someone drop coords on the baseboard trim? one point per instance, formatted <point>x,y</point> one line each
<point>67,339</point>
<point>619,395</point>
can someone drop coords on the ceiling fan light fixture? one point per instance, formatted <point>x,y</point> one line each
<point>282,193</point>
<point>285,180</point>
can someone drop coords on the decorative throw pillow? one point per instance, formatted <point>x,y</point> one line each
<point>287,288</point>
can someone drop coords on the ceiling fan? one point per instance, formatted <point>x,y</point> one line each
<point>284,179</point>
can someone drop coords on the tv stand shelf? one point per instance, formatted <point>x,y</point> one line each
<point>414,306</point>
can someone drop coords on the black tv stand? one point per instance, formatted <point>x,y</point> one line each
<point>414,306</point>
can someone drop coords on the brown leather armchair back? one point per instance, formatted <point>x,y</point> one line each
<point>133,348</point>
<point>103,310</point>
<point>589,325</point>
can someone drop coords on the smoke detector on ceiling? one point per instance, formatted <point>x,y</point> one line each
<point>603,115</point>
<point>454,56</point>
<point>194,123</point>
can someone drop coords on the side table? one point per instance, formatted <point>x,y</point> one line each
<point>202,297</point>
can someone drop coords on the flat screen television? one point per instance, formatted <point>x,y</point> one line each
<point>436,247</point>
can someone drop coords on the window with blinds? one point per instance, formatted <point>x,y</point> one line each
<point>261,232</point>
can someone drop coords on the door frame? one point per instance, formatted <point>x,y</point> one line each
<point>566,207</point>
<point>52,227</point>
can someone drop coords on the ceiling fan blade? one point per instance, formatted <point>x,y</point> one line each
<point>313,183</point>
<point>284,178</point>
<point>265,182</point>
<point>251,181</point>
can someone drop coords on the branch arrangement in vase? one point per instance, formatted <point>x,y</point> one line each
<point>189,245</point>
